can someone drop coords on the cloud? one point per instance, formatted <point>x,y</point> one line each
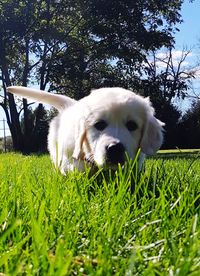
<point>176,54</point>
<point>162,58</point>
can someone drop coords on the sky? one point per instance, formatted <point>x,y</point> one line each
<point>188,37</point>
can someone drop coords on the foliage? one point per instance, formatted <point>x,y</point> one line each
<point>166,76</point>
<point>75,225</point>
<point>30,37</point>
<point>38,124</point>
<point>170,115</point>
<point>112,42</point>
<point>189,127</point>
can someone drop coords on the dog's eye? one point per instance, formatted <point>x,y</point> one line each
<point>100,125</point>
<point>131,125</point>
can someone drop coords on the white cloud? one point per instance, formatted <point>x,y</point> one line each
<point>176,54</point>
<point>162,58</point>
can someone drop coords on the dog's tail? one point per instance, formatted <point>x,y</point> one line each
<point>58,101</point>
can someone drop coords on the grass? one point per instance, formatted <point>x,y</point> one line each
<point>76,225</point>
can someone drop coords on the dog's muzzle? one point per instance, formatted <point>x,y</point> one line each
<point>115,154</point>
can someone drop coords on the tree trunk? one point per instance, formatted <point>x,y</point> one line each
<point>12,116</point>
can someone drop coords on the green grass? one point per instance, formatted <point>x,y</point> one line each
<point>76,225</point>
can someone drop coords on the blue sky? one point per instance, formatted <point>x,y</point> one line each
<point>189,36</point>
<point>190,28</point>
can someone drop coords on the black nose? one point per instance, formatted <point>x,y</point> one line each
<point>115,153</point>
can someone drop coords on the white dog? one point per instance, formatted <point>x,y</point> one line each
<point>102,129</point>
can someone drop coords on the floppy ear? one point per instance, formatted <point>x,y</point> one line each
<point>152,138</point>
<point>81,141</point>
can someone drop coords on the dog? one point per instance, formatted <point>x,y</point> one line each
<point>103,129</point>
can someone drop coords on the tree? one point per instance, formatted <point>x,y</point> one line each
<point>165,78</point>
<point>189,127</point>
<point>168,74</point>
<point>31,34</point>
<point>114,41</point>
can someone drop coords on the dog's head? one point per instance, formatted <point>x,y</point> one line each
<point>113,125</point>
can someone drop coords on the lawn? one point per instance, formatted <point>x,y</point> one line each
<point>81,225</point>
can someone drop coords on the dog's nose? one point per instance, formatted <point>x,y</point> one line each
<point>115,153</point>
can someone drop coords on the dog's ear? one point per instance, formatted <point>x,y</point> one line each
<point>81,142</point>
<point>152,138</point>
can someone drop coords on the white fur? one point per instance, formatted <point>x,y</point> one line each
<point>73,137</point>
